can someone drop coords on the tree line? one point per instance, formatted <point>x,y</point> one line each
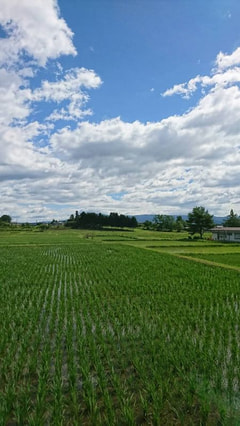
<point>165,223</point>
<point>99,221</point>
<point>198,222</point>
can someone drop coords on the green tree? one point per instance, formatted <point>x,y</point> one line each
<point>180,224</point>
<point>6,218</point>
<point>232,219</point>
<point>199,221</point>
<point>42,227</point>
<point>98,221</point>
<point>164,222</point>
<point>147,225</point>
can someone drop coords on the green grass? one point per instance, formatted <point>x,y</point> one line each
<point>33,237</point>
<point>72,236</point>
<point>232,258</point>
<point>99,332</point>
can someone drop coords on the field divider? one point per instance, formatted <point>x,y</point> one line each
<point>206,262</point>
<point>161,250</point>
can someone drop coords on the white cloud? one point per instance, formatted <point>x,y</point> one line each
<point>29,172</point>
<point>231,76</point>
<point>162,167</point>
<point>35,33</point>
<point>185,89</point>
<point>34,28</point>
<point>171,165</point>
<point>70,89</point>
<point>205,132</point>
<point>167,167</point>
<point>14,104</point>
<point>71,84</point>
<point>225,73</point>
<point>225,61</point>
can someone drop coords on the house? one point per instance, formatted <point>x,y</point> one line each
<point>221,233</point>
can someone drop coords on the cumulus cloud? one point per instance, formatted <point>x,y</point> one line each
<point>34,28</point>
<point>168,166</point>
<point>14,104</point>
<point>35,33</point>
<point>69,88</point>
<point>229,77</point>
<point>29,173</point>
<point>160,167</point>
<point>226,72</point>
<point>63,89</point>
<point>197,135</point>
<point>173,164</point>
<point>225,61</point>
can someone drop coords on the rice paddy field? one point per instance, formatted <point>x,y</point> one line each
<point>118,328</point>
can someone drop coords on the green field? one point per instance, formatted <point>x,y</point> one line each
<point>232,258</point>
<point>113,328</point>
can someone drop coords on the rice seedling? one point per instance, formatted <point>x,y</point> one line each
<point>110,334</point>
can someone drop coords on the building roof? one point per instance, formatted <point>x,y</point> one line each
<point>226,229</point>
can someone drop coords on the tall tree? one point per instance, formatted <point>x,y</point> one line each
<point>232,220</point>
<point>199,221</point>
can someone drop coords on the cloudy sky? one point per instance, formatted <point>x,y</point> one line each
<point>130,106</point>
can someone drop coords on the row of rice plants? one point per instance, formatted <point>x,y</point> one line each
<point>107,334</point>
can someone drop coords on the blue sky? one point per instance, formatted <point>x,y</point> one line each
<point>136,46</point>
<point>119,105</point>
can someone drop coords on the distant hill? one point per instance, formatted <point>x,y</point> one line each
<point>218,220</point>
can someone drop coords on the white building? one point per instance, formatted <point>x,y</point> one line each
<point>221,233</point>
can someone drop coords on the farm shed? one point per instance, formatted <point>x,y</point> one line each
<point>221,233</point>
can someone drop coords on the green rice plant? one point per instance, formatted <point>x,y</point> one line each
<point>102,333</point>
<point>232,259</point>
